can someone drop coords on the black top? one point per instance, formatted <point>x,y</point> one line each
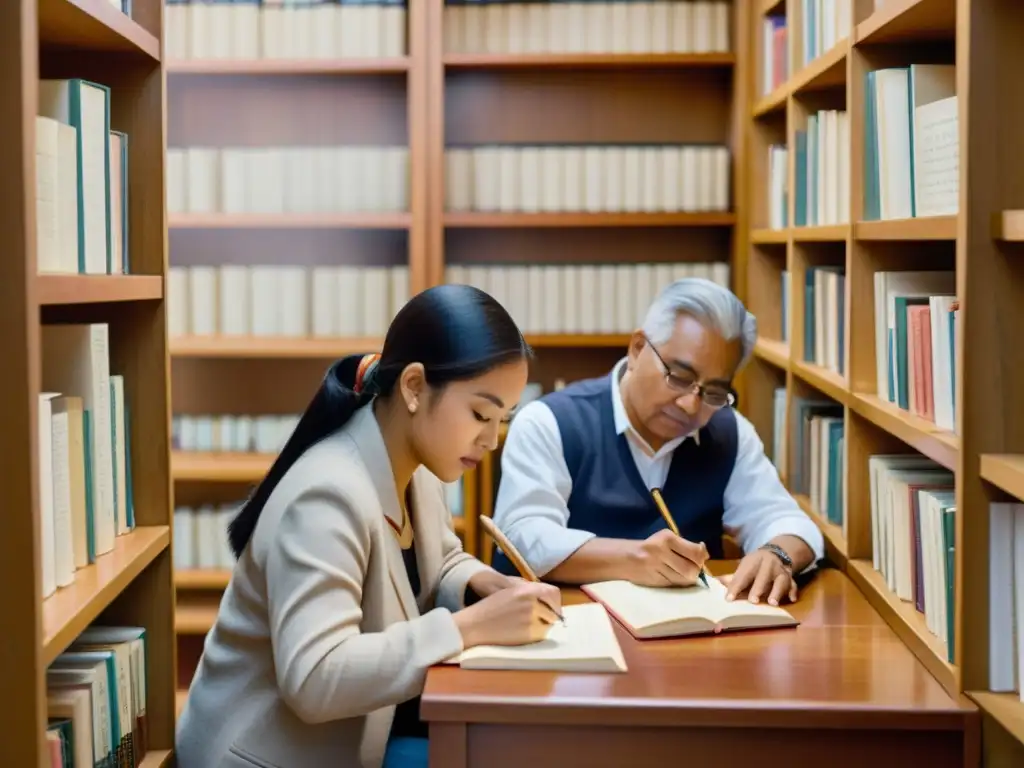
<point>407,714</point>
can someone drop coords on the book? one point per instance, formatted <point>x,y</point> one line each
<point>653,612</point>
<point>585,643</point>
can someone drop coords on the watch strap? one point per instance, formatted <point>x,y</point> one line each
<point>780,553</point>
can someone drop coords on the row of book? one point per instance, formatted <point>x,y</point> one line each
<point>272,180</point>
<point>1006,597</point>
<point>916,319</point>
<point>912,142</point>
<point>81,196</point>
<point>824,23</point>
<point>774,53</point>
<point>816,467</point>
<point>580,299</point>
<point>85,475</point>
<point>285,29</point>
<point>292,301</point>
<point>230,433</point>
<point>822,170</point>
<point>201,532</point>
<point>584,26</point>
<point>96,694</point>
<point>593,178</point>
<point>825,317</point>
<point>913,536</point>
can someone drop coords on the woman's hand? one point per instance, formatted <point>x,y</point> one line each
<point>516,615</point>
<point>485,583</point>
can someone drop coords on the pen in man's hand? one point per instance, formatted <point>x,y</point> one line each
<point>663,509</point>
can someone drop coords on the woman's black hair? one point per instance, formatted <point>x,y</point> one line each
<point>457,332</point>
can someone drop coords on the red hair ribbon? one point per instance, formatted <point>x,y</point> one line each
<point>365,365</point>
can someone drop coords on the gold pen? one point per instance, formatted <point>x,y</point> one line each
<point>525,571</point>
<point>656,493</point>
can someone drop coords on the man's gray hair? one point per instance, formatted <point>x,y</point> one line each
<point>715,307</point>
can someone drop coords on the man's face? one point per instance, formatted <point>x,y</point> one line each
<point>664,405</point>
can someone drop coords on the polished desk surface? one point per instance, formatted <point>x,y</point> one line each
<point>843,666</point>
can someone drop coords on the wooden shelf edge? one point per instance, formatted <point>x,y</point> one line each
<point>768,7</point>
<point>201,578</point>
<point>578,340</point>
<point>94,289</point>
<point>922,228</point>
<point>496,220</point>
<point>360,66</point>
<point>194,619</point>
<point>772,351</point>
<point>923,436</point>
<point>826,71</point>
<point>1008,226</point>
<point>94,25</point>
<point>766,236</point>
<point>70,610</point>
<point>257,347</point>
<point>825,233</point>
<point>1005,471</point>
<point>583,60</point>
<point>156,758</point>
<point>353,220</point>
<point>772,102</point>
<point>825,381</point>
<point>1005,708</point>
<point>907,20</point>
<point>202,467</point>
<point>907,623</point>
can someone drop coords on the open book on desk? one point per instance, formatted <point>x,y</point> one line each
<point>585,643</point>
<point>651,612</point>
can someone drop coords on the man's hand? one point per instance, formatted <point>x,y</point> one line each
<point>761,575</point>
<point>666,560</point>
<point>490,581</point>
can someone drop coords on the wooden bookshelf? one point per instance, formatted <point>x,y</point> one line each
<point>986,451</point>
<point>132,585</point>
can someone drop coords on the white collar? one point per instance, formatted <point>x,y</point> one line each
<point>624,426</point>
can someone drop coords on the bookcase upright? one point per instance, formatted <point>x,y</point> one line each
<point>132,584</point>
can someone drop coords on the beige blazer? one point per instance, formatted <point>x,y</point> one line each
<point>319,635</point>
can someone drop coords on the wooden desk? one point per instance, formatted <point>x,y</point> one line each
<point>841,687</point>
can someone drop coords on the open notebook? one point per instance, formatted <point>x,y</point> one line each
<point>649,612</point>
<point>586,643</point>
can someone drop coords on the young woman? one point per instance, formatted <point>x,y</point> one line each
<point>350,582</point>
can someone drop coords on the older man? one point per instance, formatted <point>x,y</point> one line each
<point>579,464</point>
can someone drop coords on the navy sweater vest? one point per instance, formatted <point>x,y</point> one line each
<point>609,497</point>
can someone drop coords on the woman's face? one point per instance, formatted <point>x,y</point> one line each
<point>460,422</point>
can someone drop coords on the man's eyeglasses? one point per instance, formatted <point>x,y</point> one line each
<point>712,395</point>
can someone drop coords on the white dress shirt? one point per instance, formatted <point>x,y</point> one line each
<point>531,508</point>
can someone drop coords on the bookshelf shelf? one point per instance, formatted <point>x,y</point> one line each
<point>71,609</point>
<point>290,221</point>
<point>363,66</point>
<point>587,60</point>
<point>920,434</point>
<point>925,228</point>
<point>1005,708</point>
<point>826,71</point>
<point>1008,226</point>
<point>195,618</point>
<point>156,759</point>
<point>562,220</point>
<point>769,236</point>
<point>772,103</point>
<point>189,466</point>
<point>828,233</point>
<point>767,7</point>
<point>828,382</point>
<point>94,25</point>
<point>201,578</point>
<point>905,621</point>
<point>1005,471</point>
<point>900,21</point>
<point>578,340</point>
<point>774,352</point>
<point>94,289</point>
<point>255,347</point>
